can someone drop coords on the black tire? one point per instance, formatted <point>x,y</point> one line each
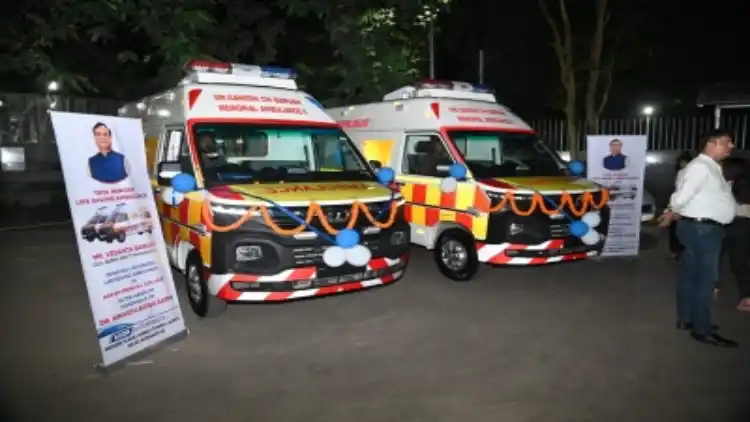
<point>204,305</point>
<point>456,238</point>
<point>121,237</point>
<point>90,238</point>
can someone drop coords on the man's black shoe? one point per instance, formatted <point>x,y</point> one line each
<point>684,326</point>
<point>714,340</point>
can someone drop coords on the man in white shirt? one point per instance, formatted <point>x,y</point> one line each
<point>702,205</point>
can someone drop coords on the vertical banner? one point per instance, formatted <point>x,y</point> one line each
<point>124,259</point>
<point>619,163</point>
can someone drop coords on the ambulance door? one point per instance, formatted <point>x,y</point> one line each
<point>173,148</point>
<point>423,162</point>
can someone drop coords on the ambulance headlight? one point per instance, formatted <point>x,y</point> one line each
<point>495,198</point>
<point>238,211</point>
<point>248,253</point>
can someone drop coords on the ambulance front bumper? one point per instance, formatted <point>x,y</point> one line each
<point>536,239</point>
<point>275,267</point>
<point>547,252</point>
<point>306,282</point>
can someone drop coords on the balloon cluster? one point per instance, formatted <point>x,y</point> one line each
<point>181,184</point>
<point>456,172</point>
<point>347,249</point>
<point>585,228</point>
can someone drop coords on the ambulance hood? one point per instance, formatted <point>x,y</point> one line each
<point>299,194</point>
<point>544,185</point>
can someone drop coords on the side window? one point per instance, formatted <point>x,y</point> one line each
<point>175,149</point>
<point>423,154</point>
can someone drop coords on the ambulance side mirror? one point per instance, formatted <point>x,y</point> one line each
<point>166,170</point>
<point>376,164</point>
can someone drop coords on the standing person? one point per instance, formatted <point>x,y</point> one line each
<point>701,206</point>
<point>737,173</point>
<point>675,247</point>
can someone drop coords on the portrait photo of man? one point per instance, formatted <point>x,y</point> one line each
<point>616,160</point>
<point>107,165</point>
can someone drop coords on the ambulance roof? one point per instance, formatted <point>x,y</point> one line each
<point>431,105</point>
<point>231,91</point>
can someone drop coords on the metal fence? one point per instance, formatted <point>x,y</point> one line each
<point>32,190</point>
<point>664,133</point>
<point>31,182</point>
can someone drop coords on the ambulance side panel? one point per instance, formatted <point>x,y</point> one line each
<point>428,210</point>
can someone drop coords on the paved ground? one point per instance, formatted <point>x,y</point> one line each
<point>590,341</point>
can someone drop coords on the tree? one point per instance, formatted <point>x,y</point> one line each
<point>377,46</point>
<point>93,46</point>
<point>594,67</point>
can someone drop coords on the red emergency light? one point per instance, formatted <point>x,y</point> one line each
<point>208,66</point>
<point>435,84</point>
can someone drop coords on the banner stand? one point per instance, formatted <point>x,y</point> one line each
<point>106,371</point>
<point>132,295</point>
<point>618,163</point>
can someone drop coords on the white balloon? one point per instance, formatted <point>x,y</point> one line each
<point>448,185</point>
<point>592,218</point>
<point>335,256</point>
<point>171,198</point>
<point>591,238</point>
<point>358,256</point>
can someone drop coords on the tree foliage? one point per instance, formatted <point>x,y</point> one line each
<point>86,44</point>
<point>92,46</point>
<point>584,72</point>
<point>377,45</point>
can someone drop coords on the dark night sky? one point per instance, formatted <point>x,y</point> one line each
<point>675,48</point>
<point>672,50</point>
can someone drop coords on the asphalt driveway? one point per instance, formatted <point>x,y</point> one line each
<point>587,341</point>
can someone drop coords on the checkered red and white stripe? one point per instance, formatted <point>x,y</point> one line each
<point>495,254</point>
<point>220,284</point>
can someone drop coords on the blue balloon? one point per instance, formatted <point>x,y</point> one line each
<point>386,175</point>
<point>183,182</point>
<point>578,228</point>
<point>457,171</point>
<point>347,238</point>
<point>576,167</point>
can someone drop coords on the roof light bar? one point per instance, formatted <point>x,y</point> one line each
<point>210,66</point>
<point>454,86</point>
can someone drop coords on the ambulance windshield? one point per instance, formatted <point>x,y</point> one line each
<point>507,154</point>
<point>240,153</point>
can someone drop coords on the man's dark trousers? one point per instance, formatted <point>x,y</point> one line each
<point>699,270</point>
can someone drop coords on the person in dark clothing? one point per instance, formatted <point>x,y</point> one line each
<point>675,247</point>
<point>737,244</point>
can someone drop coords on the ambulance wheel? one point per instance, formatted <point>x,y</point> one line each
<point>121,237</point>
<point>456,255</point>
<point>203,303</point>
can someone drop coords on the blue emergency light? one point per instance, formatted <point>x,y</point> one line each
<point>482,89</point>
<point>277,72</point>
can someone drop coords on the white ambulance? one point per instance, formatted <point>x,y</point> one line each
<point>277,182</point>
<point>515,199</point>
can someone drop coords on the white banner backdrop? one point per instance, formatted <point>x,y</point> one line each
<point>619,163</point>
<point>124,260</point>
